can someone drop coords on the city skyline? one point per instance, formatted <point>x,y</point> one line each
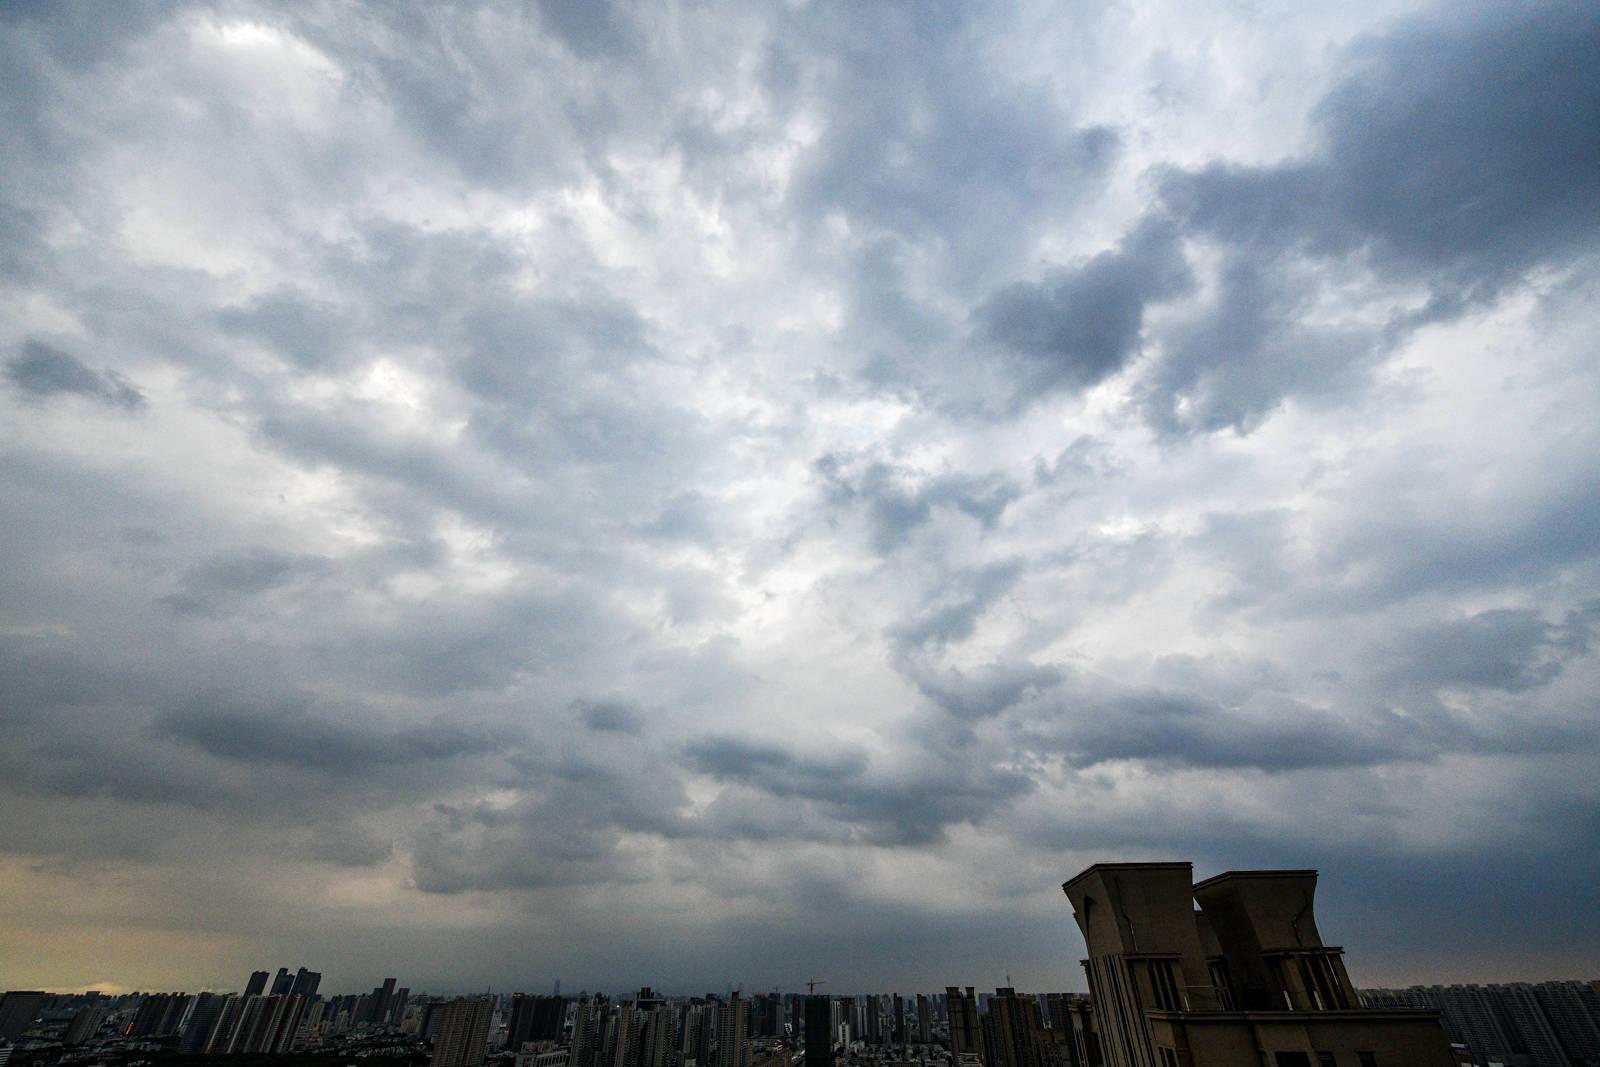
<point>710,493</point>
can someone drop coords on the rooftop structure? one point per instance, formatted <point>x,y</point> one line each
<point>1243,980</point>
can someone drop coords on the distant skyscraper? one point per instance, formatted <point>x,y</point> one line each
<point>585,1033</point>
<point>819,1031</point>
<point>461,1035</point>
<point>733,1024</point>
<point>257,984</point>
<point>378,1011</point>
<point>306,982</point>
<point>202,1022</point>
<point>965,1037</point>
<point>699,1026</point>
<point>265,1025</point>
<point>1011,1031</point>
<point>85,1025</point>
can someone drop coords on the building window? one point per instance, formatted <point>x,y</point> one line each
<point>1169,1058</point>
<point>1292,1059</point>
<point>1164,985</point>
<point>1325,1059</point>
<point>1217,967</point>
<point>1368,1059</point>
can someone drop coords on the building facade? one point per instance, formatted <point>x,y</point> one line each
<point>1243,980</point>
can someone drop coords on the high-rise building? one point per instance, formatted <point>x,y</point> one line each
<point>1246,979</point>
<point>1011,1029</point>
<point>699,1028</point>
<point>378,1008</point>
<point>257,984</point>
<point>85,1024</point>
<point>819,1031</point>
<point>1548,1023</point>
<point>585,1033</point>
<point>461,1032</point>
<point>659,1041</point>
<point>306,982</point>
<point>160,1014</point>
<point>965,1037</point>
<point>283,983</point>
<point>924,1019</point>
<point>202,1024</point>
<point>733,1026</point>
<point>872,1020</point>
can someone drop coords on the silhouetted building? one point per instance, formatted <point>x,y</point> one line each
<point>85,1024</point>
<point>380,1002</point>
<point>1012,1031</point>
<point>1244,980</point>
<point>699,1029</point>
<point>306,982</point>
<point>202,1024</point>
<point>535,1019</point>
<point>585,1033</point>
<point>819,1031</point>
<point>160,1014</point>
<point>965,1036</point>
<point>257,984</point>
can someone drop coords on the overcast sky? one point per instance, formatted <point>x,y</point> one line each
<point>699,493</point>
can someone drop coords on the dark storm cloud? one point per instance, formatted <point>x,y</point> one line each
<point>1085,324</point>
<point>982,692</point>
<point>297,735</point>
<point>922,140</point>
<point>80,35</point>
<point>566,826</point>
<point>311,333</point>
<point>1187,730</point>
<point>1231,364</point>
<point>1458,152</point>
<point>609,716</point>
<point>1456,156</point>
<point>883,807</point>
<point>1508,649</point>
<point>41,371</point>
<point>958,603</point>
<point>898,501</point>
<point>212,583</point>
<point>591,28</point>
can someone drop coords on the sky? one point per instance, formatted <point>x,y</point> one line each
<point>725,494</point>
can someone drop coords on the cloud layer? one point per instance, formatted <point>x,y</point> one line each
<point>804,477</point>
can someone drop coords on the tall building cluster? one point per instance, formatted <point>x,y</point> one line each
<point>1538,1024</point>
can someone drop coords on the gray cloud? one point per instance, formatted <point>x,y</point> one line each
<point>1085,324</point>
<point>897,501</point>
<point>1452,154</point>
<point>42,371</point>
<point>294,735</point>
<point>612,716</point>
<point>1508,649</point>
<point>881,807</point>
